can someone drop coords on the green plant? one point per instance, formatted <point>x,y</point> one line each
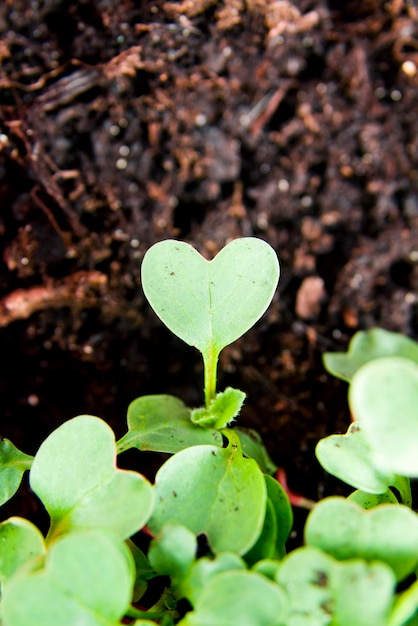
<point>219,484</point>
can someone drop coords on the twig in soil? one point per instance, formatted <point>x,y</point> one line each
<point>261,113</point>
<point>65,236</point>
<point>41,165</point>
<point>85,289</point>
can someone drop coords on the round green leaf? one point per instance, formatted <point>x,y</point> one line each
<point>349,457</point>
<point>21,543</point>
<point>239,597</point>
<point>87,579</point>
<point>213,491</point>
<point>372,587</point>
<point>205,568</point>
<point>322,591</point>
<point>367,345</point>
<point>210,304</point>
<point>74,474</point>
<point>162,423</point>
<point>173,551</point>
<point>305,576</point>
<point>383,396</point>
<point>387,533</point>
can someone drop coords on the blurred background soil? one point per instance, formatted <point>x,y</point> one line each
<point>124,123</point>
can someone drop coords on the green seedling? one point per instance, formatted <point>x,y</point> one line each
<point>367,346</point>
<point>219,522</point>
<point>210,304</point>
<point>322,591</point>
<point>81,487</point>
<point>386,533</point>
<point>383,396</point>
<point>379,450</point>
<point>87,579</point>
<point>350,458</point>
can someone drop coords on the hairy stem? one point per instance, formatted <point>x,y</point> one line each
<point>210,360</point>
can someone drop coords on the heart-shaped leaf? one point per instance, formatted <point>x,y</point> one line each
<point>238,597</point>
<point>387,533</point>
<point>75,475</point>
<point>215,491</point>
<point>210,304</point>
<point>322,591</point>
<point>21,543</point>
<point>13,464</point>
<point>162,423</point>
<point>366,346</point>
<point>383,396</point>
<point>349,457</point>
<point>87,579</point>
<point>214,302</point>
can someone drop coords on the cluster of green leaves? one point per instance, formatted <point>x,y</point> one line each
<point>360,558</point>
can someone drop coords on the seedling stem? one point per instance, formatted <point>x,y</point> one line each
<point>210,360</point>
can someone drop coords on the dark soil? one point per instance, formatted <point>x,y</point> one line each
<point>124,123</point>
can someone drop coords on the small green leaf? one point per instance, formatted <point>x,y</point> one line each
<point>371,585</point>
<point>282,511</point>
<point>278,523</point>
<point>204,569</point>
<point>213,491</point>
<point>349,457</point>
<point>305,576</point>
<point>143,570</point>
<point>241,598</point>
<point>324,592</point>
<point>366,346</point>
<point>383,396</point>
<point>387,533</point>
<point>74,474</point>
<point>254,448</point>
<point>268,568</point>
<point>21,543</point>
<point>87,579</point>
<point>161,423</point>
<point>173,551</point>
<point>224,407</point>
<point>13,464</point>
<point>370,500</point>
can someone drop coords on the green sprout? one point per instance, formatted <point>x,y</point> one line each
<point>210,304</point>
<point>219,519</point>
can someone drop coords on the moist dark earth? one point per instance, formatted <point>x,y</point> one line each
<point>125,123</point>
